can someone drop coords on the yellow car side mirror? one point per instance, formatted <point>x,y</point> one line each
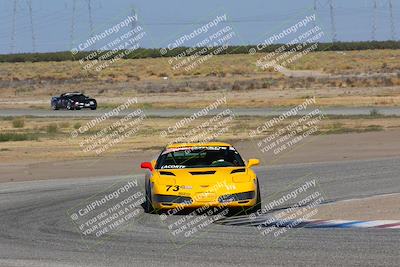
<point>253,162</point>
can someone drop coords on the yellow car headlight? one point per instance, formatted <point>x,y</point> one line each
<point>240,178</point>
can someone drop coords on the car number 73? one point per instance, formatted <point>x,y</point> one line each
<point>173,187</point>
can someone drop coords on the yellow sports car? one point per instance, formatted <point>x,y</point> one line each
<point>201,175</point>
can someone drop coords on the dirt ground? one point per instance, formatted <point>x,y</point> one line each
<point>385,207</point>
<point>379,207</point>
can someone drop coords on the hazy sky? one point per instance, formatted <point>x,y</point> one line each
<point>164,21</point>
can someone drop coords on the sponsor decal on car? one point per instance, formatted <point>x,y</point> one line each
<point>173,167</point>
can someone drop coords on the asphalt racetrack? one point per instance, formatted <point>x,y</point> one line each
<point>36,229</point>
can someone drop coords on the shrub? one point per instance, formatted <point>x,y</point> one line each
<point>236,86</point>
<point>374,128</point>
<point>77,125</point>
<point>153,52</point>
<point>374,112</point>
<point>18,122</point>
<point>52,128</point>
<point>64,124</point>
<point>6,137</point>
<point>147,105</point>
<point>162,74</point>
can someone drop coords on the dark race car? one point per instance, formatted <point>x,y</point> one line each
<point>73,101</point>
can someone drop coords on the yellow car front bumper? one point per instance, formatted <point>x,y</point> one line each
<point>246,197</point>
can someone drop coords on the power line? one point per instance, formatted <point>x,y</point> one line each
<point>32,29</point>
<point>38,20</point>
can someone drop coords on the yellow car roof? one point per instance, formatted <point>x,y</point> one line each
<point>197,144</point>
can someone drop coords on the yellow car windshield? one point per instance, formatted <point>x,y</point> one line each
<point>199,157</point>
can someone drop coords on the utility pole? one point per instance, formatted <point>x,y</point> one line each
<point>13,26</point>
<point>392,26</point>
<point>90,18</point>
<point>373,33</point>
<point>134,23</point>
<point>32,29</point>
<point>333,25</point>
<point>73,24</point>
<point>315,12</point>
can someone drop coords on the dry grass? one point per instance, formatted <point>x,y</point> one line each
<point>159,86</point>
<point>220,66</point>
<point>351,61</point>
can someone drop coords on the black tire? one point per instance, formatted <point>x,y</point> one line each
<point>248,211</point>
<point>94,105</point>
<point>148,206</point>
<point>54,106</point>
<point>257,206</point>
<point>69,107</point>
